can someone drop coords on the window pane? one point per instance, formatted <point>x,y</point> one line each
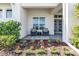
<point>0,13</point>
<point>42,21</point>
<point>35,20</point>
<point>9,13</point>
<point>38,22</point>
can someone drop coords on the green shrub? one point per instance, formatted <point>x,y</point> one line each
<point>41,52</point>
<point>9,31</point>
<point>75,36</point>
<point>75,41</point>
<point>58,40</point>
<point>10,28</point>
<point>6,40</point>
<point>76,10</point>
<point>29,52</point>
<point>54,51</point>
<point>49,40</point>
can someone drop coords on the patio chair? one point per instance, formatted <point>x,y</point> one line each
<point>33,32</point>
<point>45,31</point>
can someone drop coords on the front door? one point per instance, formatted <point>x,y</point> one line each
<point>58,24</point>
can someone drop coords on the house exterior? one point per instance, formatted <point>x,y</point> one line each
<point>48,15</point>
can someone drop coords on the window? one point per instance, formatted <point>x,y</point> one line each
<point>9,13</point>
<point>0,13</point>
<point>38,22</point>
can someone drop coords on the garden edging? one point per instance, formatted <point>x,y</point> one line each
<point>74,48</point>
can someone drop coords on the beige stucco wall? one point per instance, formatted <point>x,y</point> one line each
<point>49,21</point>
<point>71,19</point>
<point>24,22</point>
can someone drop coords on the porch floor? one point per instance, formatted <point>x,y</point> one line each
<point>53,37</point>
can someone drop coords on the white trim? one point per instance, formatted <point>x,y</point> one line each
<point>71,46</point>
<point>64,24</point>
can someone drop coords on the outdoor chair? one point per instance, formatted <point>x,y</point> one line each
<point>33,32</point>
<point>45,31</point>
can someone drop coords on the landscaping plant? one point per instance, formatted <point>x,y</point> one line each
<point>58,40</point>
<point>76,10</point>
<point>9,32</point>
<point>30,52</point>
<point>75,37</point>
<point>41,52</point>
<point>54,51</point>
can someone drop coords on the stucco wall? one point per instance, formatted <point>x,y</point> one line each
<point>23,18</point>
<point>49,22</point>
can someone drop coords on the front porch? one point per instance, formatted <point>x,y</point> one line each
<point>42,37</point>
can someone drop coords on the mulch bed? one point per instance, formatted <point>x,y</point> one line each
<point>5,52</point>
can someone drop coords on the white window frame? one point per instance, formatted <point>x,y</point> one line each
<point>38,20</point>
<point>2,13</point>
<point>6,14</point>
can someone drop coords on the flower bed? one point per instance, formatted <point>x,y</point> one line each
<point>63,50</point>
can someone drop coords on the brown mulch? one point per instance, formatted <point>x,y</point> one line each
<point>4,52</point>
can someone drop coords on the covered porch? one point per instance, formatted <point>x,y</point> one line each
<point>42,23</point>
<point>44,20</point>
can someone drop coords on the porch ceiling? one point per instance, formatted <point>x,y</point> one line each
<point>39,5</point>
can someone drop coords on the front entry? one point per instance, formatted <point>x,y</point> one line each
<point>58,24</point>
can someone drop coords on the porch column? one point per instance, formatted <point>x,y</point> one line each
<point>65,23</point>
